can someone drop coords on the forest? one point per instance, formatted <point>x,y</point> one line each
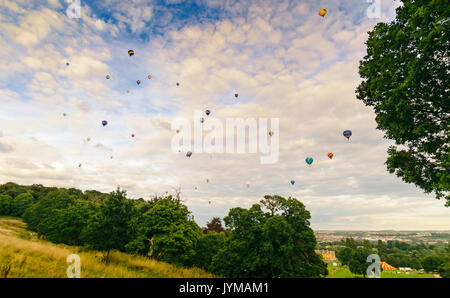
<point>269,240</point>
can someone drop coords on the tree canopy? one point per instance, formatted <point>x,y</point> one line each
<point>406,80</point>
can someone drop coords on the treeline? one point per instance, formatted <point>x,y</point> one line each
<point>270,239</point>
<point>431,258</point>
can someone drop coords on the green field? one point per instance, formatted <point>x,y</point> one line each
<point>343,272</point>
<point>29,257</point>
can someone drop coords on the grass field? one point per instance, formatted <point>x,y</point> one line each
<point>343,272</point>
<point>29,257</point>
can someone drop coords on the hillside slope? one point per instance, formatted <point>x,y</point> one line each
<point>29,257</point>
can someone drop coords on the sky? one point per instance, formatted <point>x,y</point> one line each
<point>281,57</point>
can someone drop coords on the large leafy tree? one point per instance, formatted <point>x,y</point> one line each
<point>406,80</point>
<point>167,232</point>
<point>358,262</point>
<point>278,243</point>
<point>113,226</point>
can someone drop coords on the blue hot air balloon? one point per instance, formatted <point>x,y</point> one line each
<point>207,112</point>
<point>309,160</point>
<point>292,182</point>
<point>347,134</point>
<point>104,122</point>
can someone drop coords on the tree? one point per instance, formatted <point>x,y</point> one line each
<point>405,78</point>
<point>39,214</point>
<point>278,243</point>
<point>66,225</point>
<point>20,204</point>
<point>344,255</point>
<point>367,245</point>
<point>215,225</point>
<point>350,242</point>
<point>168,232</point>
<point>207,247</point>
<point>112,226</point>
<point>444,270</point>
<point>382,250</point>
<point>5,205</point>
<point>432,263</point>
<point>358,262</point>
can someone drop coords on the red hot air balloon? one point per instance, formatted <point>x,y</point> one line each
<point>132,135</point>
<point>330,155</point>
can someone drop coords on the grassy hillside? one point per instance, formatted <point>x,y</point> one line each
<point>344,272</point>
<point>29,257</point>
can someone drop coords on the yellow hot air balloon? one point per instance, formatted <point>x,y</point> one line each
<point>322,12</point>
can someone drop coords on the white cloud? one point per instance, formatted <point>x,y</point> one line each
<point>283,60</point>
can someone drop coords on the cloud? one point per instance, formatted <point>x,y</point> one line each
<point>283,60</point>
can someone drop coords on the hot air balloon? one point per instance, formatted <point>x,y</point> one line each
<point>149,77</point>
<point>330,155</point>
<point>178,84</point>
<point>108,77</point>
<point>347,134</point>
<point>236,95</point>
<point>131,53</point>
<point>292,182</point>
<point>322,12</point>
<point>132,135</point>
<point>271,133</point>
<point>138,82</point>
<point>177,131</point>
<point>189,154</point>
<point>309,160</point>
<point>104,122</point>
<point>67,63</point>
<point>207,112</point>
<point>128,90</point>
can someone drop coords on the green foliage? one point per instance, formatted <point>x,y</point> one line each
<point>5,205</point>
<point>207,247</point>
<point>215,225</point>
<point>358,261</point>
<point>173,230</point>
<point>405,78</point>
<point>432,263</point>
<point>344,255</point>
<point>39,215</point>
<point>112,227</point>
<point>20,204</point>
<point>278,243</point>
<point>444,270</point>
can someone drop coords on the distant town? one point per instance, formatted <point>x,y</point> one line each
<point>428,237</point>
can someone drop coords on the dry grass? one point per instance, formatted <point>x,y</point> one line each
<point>27,256</point>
